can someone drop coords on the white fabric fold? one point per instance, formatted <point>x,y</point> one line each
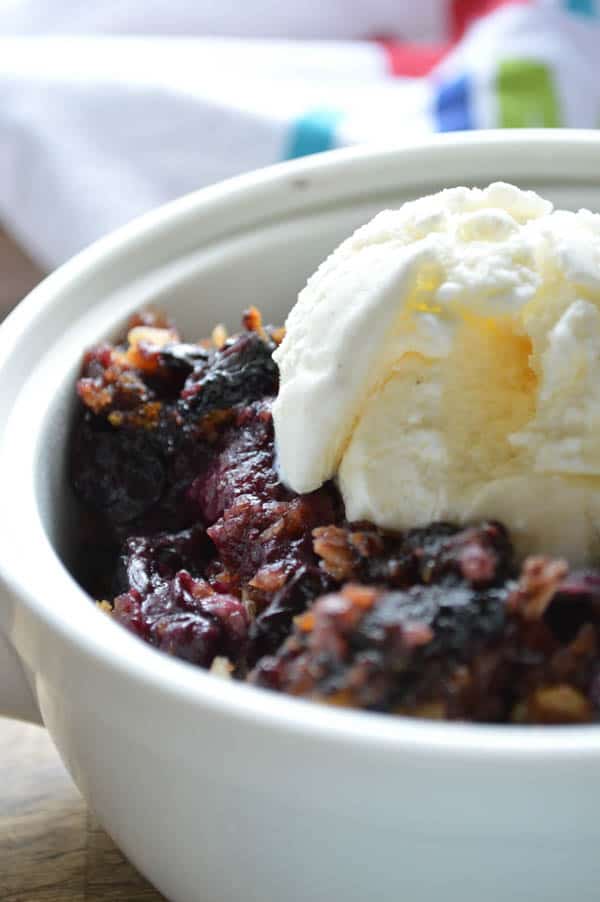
<point>109,109</point>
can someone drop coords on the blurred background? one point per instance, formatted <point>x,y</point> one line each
<point>111,107</point>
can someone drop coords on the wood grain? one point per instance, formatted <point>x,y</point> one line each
<point>51,847</point>
<point>18,273</point>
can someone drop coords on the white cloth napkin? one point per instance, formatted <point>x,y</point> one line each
<point>108,109</point>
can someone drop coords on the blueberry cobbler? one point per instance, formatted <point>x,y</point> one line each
<point>192,542</point>
<point>393,503</point>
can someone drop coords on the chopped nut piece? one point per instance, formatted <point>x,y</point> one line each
<point>540,579</point>
<point>558,705</point>
<point>252,321</point>
<point>144,343</point>
<point>333,545</point>
<point>278,335</point>
<point>150,335</point>
<point>219,335</point>
<point>426,711</point>
<point>222,667</point>
<point>269,578</point>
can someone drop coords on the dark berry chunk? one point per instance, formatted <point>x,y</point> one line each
<point>239,373</point>
<point>576,602</point>
<point>252,519</point>
<point>482,555</point>
<point>186,618</point>
<point>387,650</point>
<point>149,560</point>
<point>272,626</point>
<point>242,467</point>
<point>184,358</point>
<point>117,472</point>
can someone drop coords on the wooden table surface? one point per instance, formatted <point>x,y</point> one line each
<point>51,848</point>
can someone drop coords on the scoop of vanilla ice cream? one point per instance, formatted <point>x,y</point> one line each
<point>444,363</point>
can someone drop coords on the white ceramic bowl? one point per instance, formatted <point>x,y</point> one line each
<point>224,792</point>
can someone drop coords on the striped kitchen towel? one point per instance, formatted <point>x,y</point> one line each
<point>108,109</point>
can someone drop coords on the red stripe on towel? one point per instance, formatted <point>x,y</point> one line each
<point>412,60</point>
<point>464,12</point>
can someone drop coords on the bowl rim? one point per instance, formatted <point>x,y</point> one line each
<point>176,680</point>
